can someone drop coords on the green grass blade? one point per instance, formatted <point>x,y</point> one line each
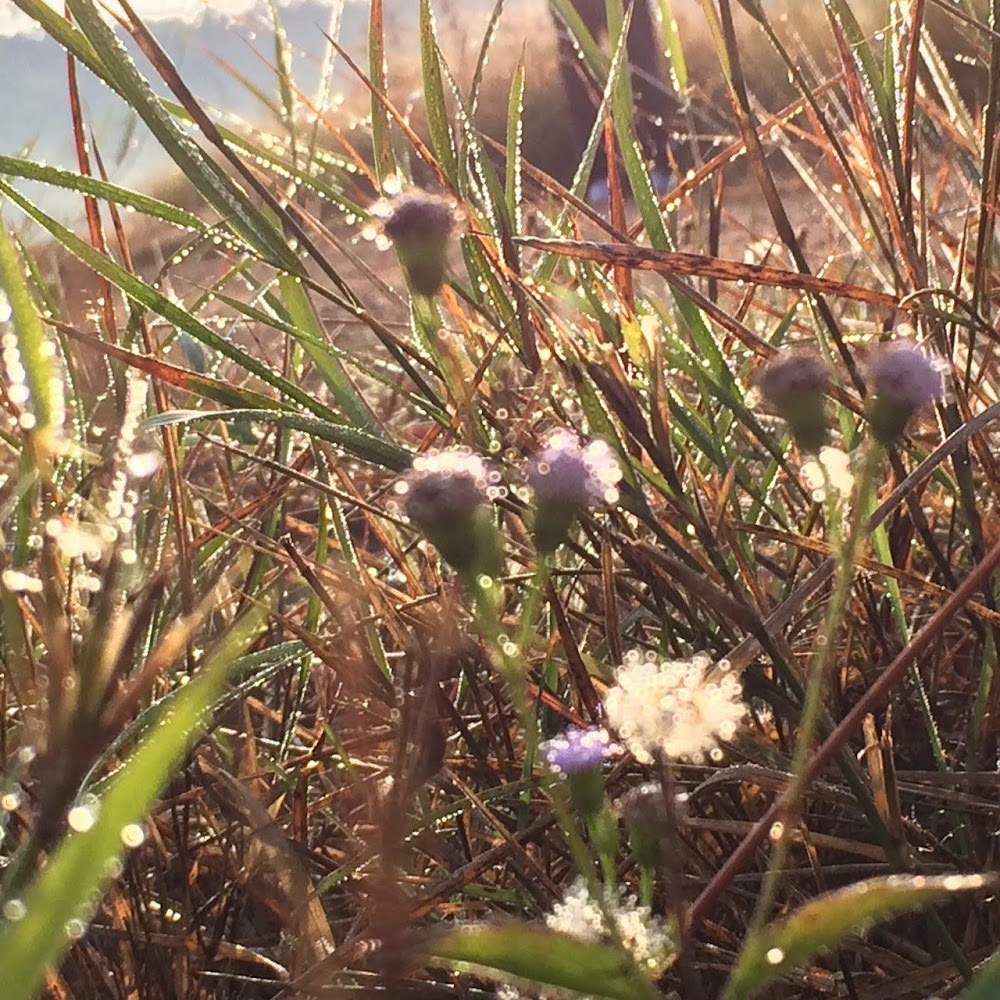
<point>334,373</point>
<point>218,191</point>
<point>542,956</point>
<point>515,136</point>
<point>434,100</point>
<point>382,155</point>
<point>355,442</point>
<point>673,47</point>
<point>820,924</point>
<point>31,170</point>
<point>148,296</point>
<point>79,867</point>
<point>41,376</point>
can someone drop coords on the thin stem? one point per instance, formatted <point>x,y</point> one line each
<point>812,706</point>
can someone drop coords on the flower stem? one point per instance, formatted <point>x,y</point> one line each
<point>812,706</point>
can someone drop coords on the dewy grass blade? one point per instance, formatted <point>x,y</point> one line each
<point>335,375</point>
<point>384,161</point>
<point>148,296</point>
<point>60,897</point>
<point>31,170</point>
<point>355,442</point>
<point>434,100</point>
<point>41,375</point>
<point>225,197</point>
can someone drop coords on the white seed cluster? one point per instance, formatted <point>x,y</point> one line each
<point>673,707</point>
<point>648,939</point>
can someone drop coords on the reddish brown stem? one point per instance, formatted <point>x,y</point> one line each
<point>850,724</point>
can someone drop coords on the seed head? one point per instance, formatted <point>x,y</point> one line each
<point>672,707</point>
<point>904,380</point>
<point>793,384</point>
<point>419,225</point>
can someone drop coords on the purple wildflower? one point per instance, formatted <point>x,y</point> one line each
<point>904,380</point>
<point>419,226</point>
<point>579,750</point>
<point>793,384</point>
<point>568,477</point>
<point>446,496</point>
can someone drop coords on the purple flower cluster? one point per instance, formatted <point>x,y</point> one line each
<point>445,486</point>
<point>905,375</point>
<point>566,472</point>
<point>579,750</point>
<point>447,492</point>
<point>420,225</point>
<point>566,478</point>
<point>793,384</point>
<point>446,496</point>
<point>904,380</point>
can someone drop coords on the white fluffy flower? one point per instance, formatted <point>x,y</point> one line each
<point>671,706</point>
<point>648,939</point>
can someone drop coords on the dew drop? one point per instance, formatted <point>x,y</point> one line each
<point>14,910</point>
<point>775,956</point>
<point>75,929</point>
<point>132,835</point>
<point>82,818</point>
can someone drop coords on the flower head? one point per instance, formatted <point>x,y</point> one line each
<point>793,383</point>
<point>672,706</point>
<point>445,495</point>
<point>566,478</point>
<point>419,225</point>
<point>579,750</point>
<point>904,380</point>
<point>648,939</point>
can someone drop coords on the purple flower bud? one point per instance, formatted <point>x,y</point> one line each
<point>793,384</point>
<point>644,810</point>
<point>577,756</point>
<point>446,496</point>
<point>566,478</point>
<point>579,750</point>
<point>419,226</point>
<point>904,380</point>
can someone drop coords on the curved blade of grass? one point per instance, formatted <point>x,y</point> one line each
<point>434,102</point>
<point>148,296</point>
<point>247,672</point>
<point>820,924</point>
<point>15,166</point>
<point>484,52</point>
<point>79,867</point>
<point>357,443</point>
<point>40,377</point>
<point>233,204</point>
<point>385,373</point>
<point>382,157</point>
<point>544,957</point>
<point>217,390</point>
<point>335,375</point>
